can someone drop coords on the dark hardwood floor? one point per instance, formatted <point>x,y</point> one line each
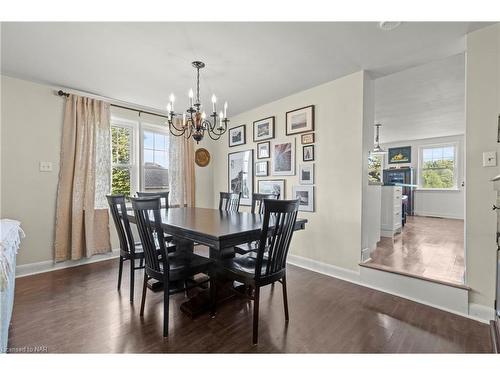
<point>79,310</point>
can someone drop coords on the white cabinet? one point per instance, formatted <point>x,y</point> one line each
<point>390,214</point>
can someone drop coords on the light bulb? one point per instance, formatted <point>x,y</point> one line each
<point>214,98</point>
<point>225,110</point>
<point>191,93</point>
<point>203,115</point>
<point>172,98</point>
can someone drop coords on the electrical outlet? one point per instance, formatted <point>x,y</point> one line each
<point>45,166</point>
<point>490,159</point>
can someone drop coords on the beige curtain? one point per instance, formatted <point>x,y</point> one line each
<point>181,171</point>
<point>82,223</point>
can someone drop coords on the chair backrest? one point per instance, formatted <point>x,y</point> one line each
<point>258,201</point>
<point>275,238</point>
<point>229,202</point>
<point>147,211</point>
<point>162,194</point>
<point>119,213</point>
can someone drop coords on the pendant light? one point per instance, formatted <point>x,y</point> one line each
<point>377,150</point>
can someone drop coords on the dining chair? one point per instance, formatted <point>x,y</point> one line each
<point>229,202</point>
<point>257,208</point>
<point>129,249</point>
<point>163,267</point>
<point>163,195</point>
<point>269,264</point>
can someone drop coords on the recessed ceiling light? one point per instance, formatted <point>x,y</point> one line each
<point>388,25</point>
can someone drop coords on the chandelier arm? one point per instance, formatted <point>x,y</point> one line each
<point>217,132</point>
<point>216,138</point>
<point>171,125</point>
<point>180,132</point>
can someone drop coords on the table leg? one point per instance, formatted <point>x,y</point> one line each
<point>200,303</point>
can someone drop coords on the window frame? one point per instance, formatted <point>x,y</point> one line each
<point>143,127</point>
<point>420,168</point>
<point>132,165</point>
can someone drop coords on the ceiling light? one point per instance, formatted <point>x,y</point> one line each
<point>377,150</point>
<point>388,25</point>
<point>194,119</point>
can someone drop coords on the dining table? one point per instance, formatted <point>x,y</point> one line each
<point>219,230</point>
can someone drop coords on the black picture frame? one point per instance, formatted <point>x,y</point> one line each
<point>399,155</point>
<point>268,150</point>
<point>272,121</point>
<point>308,128</point>
<point>266,173</point>
<point>245,201</point>
<point>244,132</point>
<point>304,153</point>
<point>280,182</point>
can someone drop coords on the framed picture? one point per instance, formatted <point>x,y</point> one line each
<point>261,169</point>
<point>308,153</point>
<point>272,187</point>
<point>263,129</point>
<point>305,194</point>
<point>263,150</point>
<point>283,159</point>
<point>400,155</point>
<point>237,136</point>
<point>307,138</point>
<point>300,120</point>
<point>306,174</point>
<point>240,175</point>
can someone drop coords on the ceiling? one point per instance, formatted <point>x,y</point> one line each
<point>248,64</point>
<point>426,101</point>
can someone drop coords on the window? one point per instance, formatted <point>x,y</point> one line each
<point>122,160</point>
<point>140,157</point>
<point>155,156</point>
<point>375,169</point>
<point>438,167</point>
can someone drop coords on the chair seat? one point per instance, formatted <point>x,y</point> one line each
<point>247,248</point>
<point>184,263</point>
<point>242,268</point>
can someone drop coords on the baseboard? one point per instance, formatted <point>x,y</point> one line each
<point>476,312</point>
<point>437,215</point>
<point>324,268</point>
<point>49,265</point>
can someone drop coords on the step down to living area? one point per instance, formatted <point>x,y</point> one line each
<point>440,294</point>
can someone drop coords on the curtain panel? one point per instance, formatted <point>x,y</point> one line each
<point>82,219</point>
<point>181,171</point>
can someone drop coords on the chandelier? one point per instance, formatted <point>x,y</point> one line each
<point>194,121</point>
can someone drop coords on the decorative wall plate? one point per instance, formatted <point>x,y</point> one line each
<point>202,157</point>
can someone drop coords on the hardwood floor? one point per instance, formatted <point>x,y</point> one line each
<point>79,310</point>
<point>431,248</point>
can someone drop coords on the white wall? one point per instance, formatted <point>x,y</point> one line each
<point>482,110</point>
<point>32,119</point>
<point>333,234</point>
<point>31,124</point>
<point>439,203</point>
<point>425,101</point>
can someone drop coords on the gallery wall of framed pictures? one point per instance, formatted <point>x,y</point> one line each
<point>284,148</point>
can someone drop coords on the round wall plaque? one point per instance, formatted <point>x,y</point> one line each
<point>202,157</point>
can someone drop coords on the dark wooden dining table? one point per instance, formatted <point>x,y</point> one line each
<point>218,230</point>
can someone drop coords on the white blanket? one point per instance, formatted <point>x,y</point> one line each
<point>10,237</point>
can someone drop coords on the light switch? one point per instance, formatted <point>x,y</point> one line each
<point>45,166</point>
<point>490,159</point>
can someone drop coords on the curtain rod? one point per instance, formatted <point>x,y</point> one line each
<point>66,94</point>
